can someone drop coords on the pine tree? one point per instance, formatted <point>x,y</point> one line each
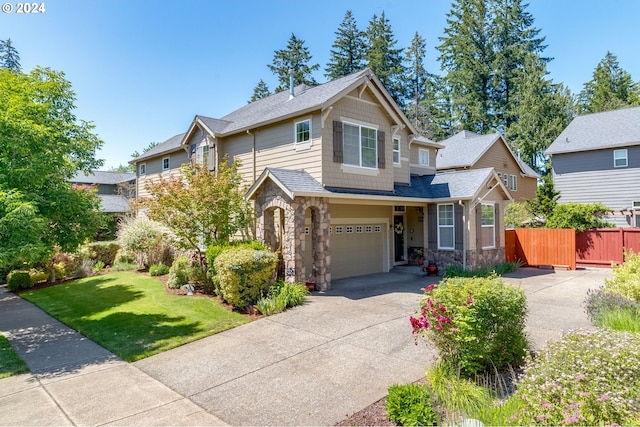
<point>513,38</point>
<point>347,53</point>
<point>9,57</point>
<point>417,80</point>
<point>543,109</point>
<point>438,102</point>
<point>610,88</point>
<point>467,57</point>
<point>384,59</point>
<point>295,57</point>
<point>260,91</point>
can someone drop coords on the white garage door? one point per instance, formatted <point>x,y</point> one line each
<point>357,249</point>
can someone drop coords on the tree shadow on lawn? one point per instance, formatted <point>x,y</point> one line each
<point>136,336</point>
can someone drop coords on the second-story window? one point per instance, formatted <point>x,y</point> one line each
<point>360,146</point>
<point>396,150</point>
<point>202,154</point>
<point>620,158</point>
<point>166,164</point>
<point>142,169</point>
<point>514,183</point>
<point>303,131</point>
<point>423,157</point>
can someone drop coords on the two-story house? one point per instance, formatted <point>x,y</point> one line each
<point>597,159</point>
<point>469,150</point>
<point>114,189</point>
<point>343,184</point>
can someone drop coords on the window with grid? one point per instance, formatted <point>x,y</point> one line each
<point>423,157</point>
<point>620,159</point>
<point>514,183</point>
<point>360,146</point>
<point>445,227</point>
<point>488,226</point>
<point>396,150</point>
<point>303,131</point>
<point>166,164</point>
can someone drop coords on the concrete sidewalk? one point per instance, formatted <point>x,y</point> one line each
<point>311,365</point>
<point>74,381</point>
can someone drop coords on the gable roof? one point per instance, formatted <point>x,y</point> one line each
<point>465,148</point>
<point>102,177</point>
<point>455,185</point>
<point>112,203</point>
<point>609,129</point>
<point>281,106</point>
<point>170,145</point>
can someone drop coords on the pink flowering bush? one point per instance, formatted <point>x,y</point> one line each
<point>475,323</point>
<point>586,378</point>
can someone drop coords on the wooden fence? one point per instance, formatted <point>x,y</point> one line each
<point>541,246</point>
<point>564,247</point>
<point>603,246</point>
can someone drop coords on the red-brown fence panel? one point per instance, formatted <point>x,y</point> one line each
<point>542,246</point>
<point>603,246</point>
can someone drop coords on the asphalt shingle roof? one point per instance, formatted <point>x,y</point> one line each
<point>102,177</point>
<point>168,146</point>
<point>463,149</point>
<point>609,129</point>
<point>114,203</point>
<point>297,180</point>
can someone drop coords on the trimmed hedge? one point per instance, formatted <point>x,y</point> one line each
<point>19,279</point>
<point>244,274</point>
<point>102,251</point>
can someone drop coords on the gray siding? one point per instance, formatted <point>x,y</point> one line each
<point>591,161</point>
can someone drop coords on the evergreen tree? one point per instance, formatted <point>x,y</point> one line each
<point>438,103</point>
<point>295,57</point>
<point>9,57</point>
<point>513,39</point>
<point>417,80</point>
<point>384,59</point>
<point>467,57</point>
<point>610,88</point>
<point>260,91</point>
<point>542,108</point>
<point>347,53</point>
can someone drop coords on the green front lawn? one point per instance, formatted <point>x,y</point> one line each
<point>10,362</point>
<point>132,315</point>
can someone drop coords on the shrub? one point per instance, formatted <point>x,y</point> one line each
<point>214,250</point>
<point>282,295</point>
<point>579,216</point>
<point>586,378</point>
<point>149,241</point>
<point>626,278</point>
<point>475,323</point>
<point>19,279</point>
<point>454,270</point>
<point>270,305</point>
<point>124,266</point>
<point>60,270</point>
<point>123,257</point>
<point>244,274</point>
<point>158,270</point>
<point>410,405</point>
<point>101,251</point>
<point>622,320</point>
<point>85,269</point>
<point>598,303</point>
<point>197,269</point>
<point>99,265</point>
<point>178,273</point>
<point>38,276</point>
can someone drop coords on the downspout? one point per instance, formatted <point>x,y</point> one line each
<point>253,152</point>
<point>465,236</point>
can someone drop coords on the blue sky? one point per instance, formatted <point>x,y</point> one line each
<point>142,69</point>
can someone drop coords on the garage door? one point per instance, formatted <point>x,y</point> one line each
<point>357,249</point>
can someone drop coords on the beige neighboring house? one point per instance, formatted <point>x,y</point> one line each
<point>343,184</point>
<point>467,150</point>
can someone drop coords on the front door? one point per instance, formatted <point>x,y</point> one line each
<point>398,238</point>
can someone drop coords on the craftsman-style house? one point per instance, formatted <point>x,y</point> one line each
<point>342,183</point>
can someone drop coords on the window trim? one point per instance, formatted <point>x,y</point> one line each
<point>168,159</point>
<point>493,226</point>
<point>452,226</point>
<point>626,158</point>
<point>142,169</point>
<point>359,126</point>
<point>421,151</point>
<point>306,144</point>
<point>393,141</point>
<point>199,160</point>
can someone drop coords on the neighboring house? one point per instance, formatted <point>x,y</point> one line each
<point>343,184</point>
<point>597,159</point>
<point>114,189</point>
<point>163,160</point>
<point>468,150</point>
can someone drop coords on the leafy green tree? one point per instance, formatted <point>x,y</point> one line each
<point>295,57</point>
<point>201,207</point>
<point>136,154</point>
<point>417,80</point>
<point>517,215</point>
<point>610,88</point>
<point>347,53</point>
<point>384,59</point>
<point>540,112</point>
<point>260,91</point>
<point>546,200</point>
<point>43,145</point>
<point>580,216</point>
<point>9,57</point>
